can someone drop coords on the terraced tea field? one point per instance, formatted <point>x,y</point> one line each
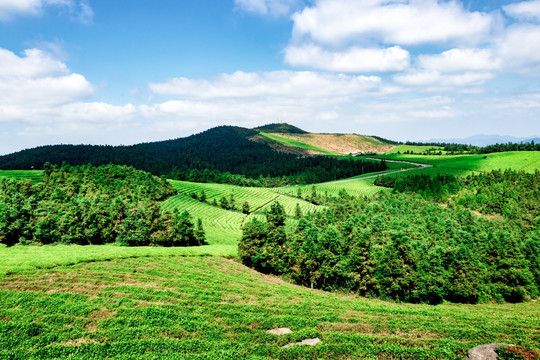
<point>354,188</point>
<point>225,226</point>
<point>259,199</point>
<point>34,175</point>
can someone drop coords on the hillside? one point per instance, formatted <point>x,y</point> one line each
<point>224,154</point>
<point>158,303</point>
<point>336,144</point>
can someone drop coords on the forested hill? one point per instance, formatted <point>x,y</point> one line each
<point>219,150</point>
<point>222,148</point>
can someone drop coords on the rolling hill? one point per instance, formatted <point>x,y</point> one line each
<point>226,149</point>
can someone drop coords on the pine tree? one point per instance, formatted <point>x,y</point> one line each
<point>245,208</point>
<point>298,211</point>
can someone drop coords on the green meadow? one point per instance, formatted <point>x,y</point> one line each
<point>166,305</point>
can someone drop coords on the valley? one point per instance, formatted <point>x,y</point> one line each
<point>197,302</point>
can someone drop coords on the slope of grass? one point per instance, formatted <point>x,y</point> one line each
<point>224,227</point>
<point>342,144</point>
<point>170,307</point>
<point>34,175</point>
<point>528,161</point>
<point>417,149</point>
<point>18,259</point>
<point>296,143</point>
<point>259,199</point>
<point>360,187</point>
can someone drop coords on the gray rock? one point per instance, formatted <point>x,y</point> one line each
<point>311,342</point>
<point>485,352</point>
<point>279,331</point>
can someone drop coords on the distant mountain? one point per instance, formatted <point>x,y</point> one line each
<point>485,140</point>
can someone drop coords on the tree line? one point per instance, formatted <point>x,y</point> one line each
<point>401,246</point>
<point>93,205</point>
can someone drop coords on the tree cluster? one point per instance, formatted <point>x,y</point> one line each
<point>93,205</point>
<point>436,188</point>
<point>403,247</point>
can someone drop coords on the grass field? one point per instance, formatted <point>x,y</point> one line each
<point>416,149</point>
<point>355,188</point>
<point>34,175</point>
<point>528,161</point>
<point>165,306</point>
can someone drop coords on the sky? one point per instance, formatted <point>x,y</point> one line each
<point>130,71</point>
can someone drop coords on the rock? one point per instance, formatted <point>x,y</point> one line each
<point>311,342</point>
<point>279,331</point>
<point>485,352</point>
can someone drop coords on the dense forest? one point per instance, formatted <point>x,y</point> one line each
<point>281,128</point>
<point>224,154</point>
<point>93,205</point>
<point>482,245</point>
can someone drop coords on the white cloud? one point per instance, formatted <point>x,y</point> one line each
<point>79,11</point>
<point>268,7</point>
<point>268,84</point>
<point>519,47</point>
<point>37,79</point>
<point>9,8</point>
<point>524,10</point>
<point>354,59</point>
<point>438,81</point>
<point>458,60</point>
<point>401,22</point>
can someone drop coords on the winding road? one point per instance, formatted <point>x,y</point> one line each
<point>417,166</point>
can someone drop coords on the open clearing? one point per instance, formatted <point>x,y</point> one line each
<point>332,144</point>
<point>164,306</point>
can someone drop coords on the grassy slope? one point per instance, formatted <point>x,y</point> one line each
<point>413,148</point>
<point>528,161</point>
<point>291,142</point>
<point>170,307</point>
<point>224,227</point>
<point>34,175</point>
<point>332,143</point>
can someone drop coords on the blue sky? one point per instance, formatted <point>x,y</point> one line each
<point>123,72</point>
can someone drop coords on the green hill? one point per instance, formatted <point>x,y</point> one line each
<point>211,156</point>
<point>155,303</point>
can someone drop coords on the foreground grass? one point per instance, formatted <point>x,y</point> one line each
<point>172,307</point>
<point>18,259</point>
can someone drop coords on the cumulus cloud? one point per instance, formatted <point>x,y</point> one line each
<point>458,60</point>
<point>268,7</point>
<point>268,84</point>
<point>401,22</point>
<point>79,11</point>
<point>438,81</point>
<point>519,47</point>
<point>353,59</point>
<point>524,10</point>
<point>37,79</point>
